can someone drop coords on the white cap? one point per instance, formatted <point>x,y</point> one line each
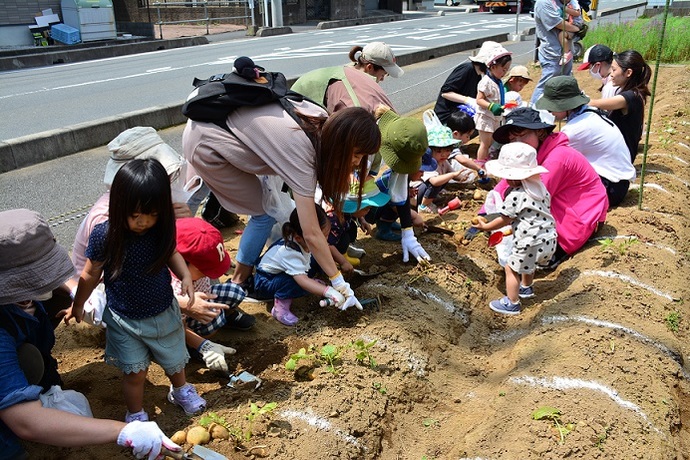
<point>379,53</point>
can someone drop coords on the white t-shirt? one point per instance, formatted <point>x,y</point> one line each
<point>602,144</point>
<point>284,259</point>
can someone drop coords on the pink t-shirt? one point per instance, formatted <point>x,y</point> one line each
<point>578,198</point>
<point>97,214</point>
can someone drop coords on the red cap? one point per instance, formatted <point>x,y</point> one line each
<point>201,245</point>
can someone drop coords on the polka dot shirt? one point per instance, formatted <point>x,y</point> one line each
<point>136,293</point>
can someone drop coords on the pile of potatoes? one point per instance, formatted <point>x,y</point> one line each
<point>200,434</point>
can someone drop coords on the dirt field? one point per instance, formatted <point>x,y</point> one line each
<point>451,379</point>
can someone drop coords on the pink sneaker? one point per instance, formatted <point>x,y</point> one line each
<point>187,398</point>
<point>281,312</point>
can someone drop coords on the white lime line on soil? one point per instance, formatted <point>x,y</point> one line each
<point>682,145</point>
<point>566,383</point>
<point>449,306</point>
<point>679,159</point>
<point>619,327</point>
<point>320,423</point>
<point>657,171</point>
<point>631,237</point>
<point>650,185</point>
<point>629,279</point>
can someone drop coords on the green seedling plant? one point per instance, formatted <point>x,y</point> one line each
<point>621,248</point>
<point>254,412</point>
<point>212,417</point>
<point>673,321</point>
<point>430,422</point>
<point>362,352</point>
<point>295,358</point>
<point>602,437</point>
<point>330,354</point>
<point>553,414</point>
<point>378,386</point>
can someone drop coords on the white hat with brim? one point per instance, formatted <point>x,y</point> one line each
<point>31,262</point>
<point>484,52</point>
<point>381,54</point>
<point>142,143</point>
<point>516,161</point>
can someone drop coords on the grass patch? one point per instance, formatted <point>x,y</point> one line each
<point>643,34</point>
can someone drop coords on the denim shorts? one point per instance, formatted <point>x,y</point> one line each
<point>131,344</point>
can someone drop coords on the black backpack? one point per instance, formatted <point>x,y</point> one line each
<point>214,98</point>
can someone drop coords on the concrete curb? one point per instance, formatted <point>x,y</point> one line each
<point>66,55</point>
<point>48,145</point>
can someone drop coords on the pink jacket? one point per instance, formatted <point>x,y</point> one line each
<point>578,198</point>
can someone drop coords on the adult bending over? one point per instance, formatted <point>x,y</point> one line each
<point>32,265</point>
<point>578,198</point>
<point>266,140</point>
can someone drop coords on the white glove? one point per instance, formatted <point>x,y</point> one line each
<point>411,246</point>
<point>334,296</point>
<point>214,355</point>
<point>145,439</point>
<point>340,285</point>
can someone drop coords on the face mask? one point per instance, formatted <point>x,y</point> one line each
<point>595,75</point>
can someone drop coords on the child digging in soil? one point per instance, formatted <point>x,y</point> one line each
<point>282,271</point>
<point>135,251</point>
<point>526,208</point>
<point>201,246</point>
<point>441,144</point>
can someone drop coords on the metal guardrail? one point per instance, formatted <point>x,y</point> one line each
<point>196,4</point>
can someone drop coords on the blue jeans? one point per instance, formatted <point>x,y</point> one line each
<point>279,285</point>
<point>549,68</point>
<point>254,239</point>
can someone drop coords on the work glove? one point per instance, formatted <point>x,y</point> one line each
<point>496,109</point>
<point>145,439</point>
<point>582,32</point>
<point>333,296</point>
<point>412,247</point>
<point>214,355</point>
<point>340,285</point>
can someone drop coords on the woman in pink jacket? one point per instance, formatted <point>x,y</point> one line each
<point>578,198</point>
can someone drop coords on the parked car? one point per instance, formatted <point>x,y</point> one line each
<point>447,2</point>
<point>504,6</point>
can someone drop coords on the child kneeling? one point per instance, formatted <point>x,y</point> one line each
<point>527,208</point>
<point>282,270</point>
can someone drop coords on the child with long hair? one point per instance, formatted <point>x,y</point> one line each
<point>491,99</point>
<point>282,270</point>
<point>134,251</point>
<point>631,74</point>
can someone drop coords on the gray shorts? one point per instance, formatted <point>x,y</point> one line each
<point>131,344</point>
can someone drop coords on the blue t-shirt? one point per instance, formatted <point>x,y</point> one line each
<point>18,327</point>
<point>135,293</point>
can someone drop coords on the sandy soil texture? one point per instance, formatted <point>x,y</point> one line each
<point>603,342</point>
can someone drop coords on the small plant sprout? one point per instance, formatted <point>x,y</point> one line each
<point>430,422</point>
<point>606,243</point>
<point>378,386</point>
<point>553,414</point>
<point>468,283</point>
<point>673,321</point>
<point>362,352</point>
<point>212,417</point>
<point>501,393</point>
<point>601,437</point>
<point>255,411</point>
<point>330,354</point>
<point>624,246</point>
<point>291,364</point>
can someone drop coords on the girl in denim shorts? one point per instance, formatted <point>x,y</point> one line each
<point>134,251</point>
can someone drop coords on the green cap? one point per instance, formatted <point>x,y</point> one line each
<point>561,93</point>
<point>403,142</point>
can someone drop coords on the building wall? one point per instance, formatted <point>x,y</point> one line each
<point>14,12</point>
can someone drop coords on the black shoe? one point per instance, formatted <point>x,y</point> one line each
<point>558,258</point>
<point>251,294</point>
<point>216,215</point>
<point>239,320</point>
